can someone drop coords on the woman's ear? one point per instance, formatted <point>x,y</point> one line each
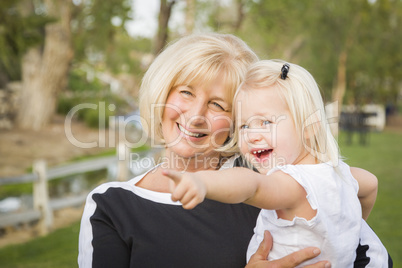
<point>226,141</point>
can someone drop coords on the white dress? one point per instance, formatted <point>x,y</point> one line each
<point>335,229</point>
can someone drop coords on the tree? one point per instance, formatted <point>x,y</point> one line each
<point>190,15</point>
<point>163,24</point>
<point>359,58</point>
<point>226,18</point>
<point>349,47</point>
<point>20,29</point>
<point>275,28</point>
<point>376,76</point>
<point>96,26</point>
<point>45,69</point>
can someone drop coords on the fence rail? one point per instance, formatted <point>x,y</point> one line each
<point>43,206</point>
<point>31,177</point>
<point>64,170</point>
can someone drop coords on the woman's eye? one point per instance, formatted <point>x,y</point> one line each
<point>185,92</point>
<point>216,107</point>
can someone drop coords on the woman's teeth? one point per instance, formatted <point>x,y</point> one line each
<point>192,134</point>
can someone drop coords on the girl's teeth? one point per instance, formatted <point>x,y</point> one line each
<point>259,151</point>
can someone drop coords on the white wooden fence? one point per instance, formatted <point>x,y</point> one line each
<point>43,206</point>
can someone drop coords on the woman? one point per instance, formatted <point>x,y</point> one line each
<point>185,101</point>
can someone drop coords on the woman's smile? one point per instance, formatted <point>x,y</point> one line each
<point>190,134</point>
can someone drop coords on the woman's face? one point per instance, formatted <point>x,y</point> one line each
<point>196,119</point>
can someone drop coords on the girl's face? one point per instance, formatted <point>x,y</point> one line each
<point>267,133</point>
<point>196,119</point>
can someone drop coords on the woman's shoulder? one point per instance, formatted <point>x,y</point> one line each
<point>102,188</point>
<point>123,185</point>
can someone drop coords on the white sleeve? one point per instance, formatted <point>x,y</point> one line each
<point>376,252</point>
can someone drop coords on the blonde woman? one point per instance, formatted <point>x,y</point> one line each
<point>309,196</point>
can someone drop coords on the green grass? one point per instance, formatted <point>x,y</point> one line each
<point>382,156</point>
<point>58,249</point>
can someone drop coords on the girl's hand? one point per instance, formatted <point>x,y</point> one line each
<point>186,187</point>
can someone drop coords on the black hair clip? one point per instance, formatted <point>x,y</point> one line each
<point>285,70</point>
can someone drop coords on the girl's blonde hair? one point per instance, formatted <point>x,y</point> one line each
<point>302,95</point>
<point>198,58</point>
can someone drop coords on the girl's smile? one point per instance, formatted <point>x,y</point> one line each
<point>261,155</point>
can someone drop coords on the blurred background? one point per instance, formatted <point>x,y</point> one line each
<point>57,54</point>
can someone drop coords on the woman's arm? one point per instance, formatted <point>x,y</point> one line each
<point>368,186</point>
<point>259,258</point>
<point>99,241</point>
<point>371,252</point>
<point>236,185</point>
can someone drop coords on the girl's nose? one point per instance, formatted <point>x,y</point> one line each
<point>254,135</point>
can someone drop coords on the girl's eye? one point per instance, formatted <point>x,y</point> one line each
<point>243,127</point>
<point>266,122</point>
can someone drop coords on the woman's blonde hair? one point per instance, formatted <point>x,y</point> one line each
<point>302,95</point>
<point>198,58</point>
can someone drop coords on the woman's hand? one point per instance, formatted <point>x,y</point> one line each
<point>186,187</point>
<point>259,258</point>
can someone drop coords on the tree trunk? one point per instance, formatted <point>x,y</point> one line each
<point>339,90</point>
<point>163,28</point>
<point>340,87</point>
<point>190,16</point>
<point>44,72</point>
<point>291,50</point>
<point>240,15</point>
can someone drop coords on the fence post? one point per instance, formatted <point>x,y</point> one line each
<point>41,198</point>
<point>123,161</point>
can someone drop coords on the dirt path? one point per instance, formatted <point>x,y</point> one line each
<point>20,148</point>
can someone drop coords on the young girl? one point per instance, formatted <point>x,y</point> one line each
<point>308,196</point>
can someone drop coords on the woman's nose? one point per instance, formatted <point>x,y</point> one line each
<point>197,114</point>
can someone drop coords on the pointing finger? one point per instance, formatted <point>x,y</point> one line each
<point>172,174</point>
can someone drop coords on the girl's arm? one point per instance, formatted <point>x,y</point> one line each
<point>368,186</point>
<point>236,185</point>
